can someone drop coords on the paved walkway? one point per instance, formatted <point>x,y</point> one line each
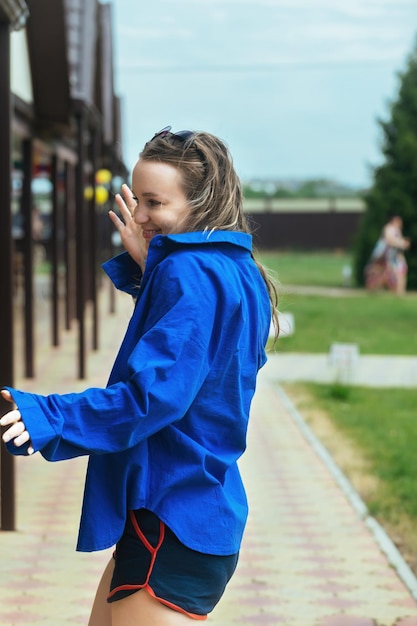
<point>311,556</point>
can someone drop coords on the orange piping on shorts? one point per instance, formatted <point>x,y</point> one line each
<point>152,550</point>
<point>145,585</point>
<point>174,606</point>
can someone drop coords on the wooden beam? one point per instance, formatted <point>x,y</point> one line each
<point>7,474</point>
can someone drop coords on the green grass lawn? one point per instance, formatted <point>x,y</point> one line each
<point>360,414</point>
<point>380,323</point>
<point>323,269</point>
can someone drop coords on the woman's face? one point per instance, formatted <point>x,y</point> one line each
<point>162,207</point>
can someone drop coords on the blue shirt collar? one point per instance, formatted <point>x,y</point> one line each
<point>126,275</point>
<point>237,238</point>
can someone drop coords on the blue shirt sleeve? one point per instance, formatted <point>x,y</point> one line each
<point>124,272</point>
<point>167,365</point>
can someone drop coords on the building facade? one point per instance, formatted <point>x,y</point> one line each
<point>59,125</point>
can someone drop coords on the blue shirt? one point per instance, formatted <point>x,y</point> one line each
<point>167,431</point>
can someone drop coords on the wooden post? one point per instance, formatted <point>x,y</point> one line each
<point>80,241</point>
<point>92,245</point>
<point>27,207</point>
<point>7,473</point>
<point>55,253</point>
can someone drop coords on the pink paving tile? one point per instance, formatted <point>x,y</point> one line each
<point>260,600</point>
<point>324,573</point>
<point>338,603</point>
<point>256,558</point>
<point>253,544</point>
<point>22,599</point>
<point>375,559</point>
<point>264,618</point>
<point>16,617</point>
<point>249,571</point>
<point>405,602</point>
<point>84,602</point>
<point>407,621</point>
<point>393,585</point>
<point>333,587</point>
<point>29,571</point>
<point>346,620</point>
<point>78,619</point>
<point>306,534</point>
<point>254,586</point>
<point>315,558</point>
<point>301,524</point>
<point>31,583</point>
<point>313,546</point>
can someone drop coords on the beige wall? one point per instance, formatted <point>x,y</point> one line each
<point>21,83</point>
<point>304,205</point>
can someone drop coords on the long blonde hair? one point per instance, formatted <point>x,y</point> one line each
<point>211,186</point>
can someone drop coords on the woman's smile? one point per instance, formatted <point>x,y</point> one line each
<point>149,233</point>
<point>162,207</point>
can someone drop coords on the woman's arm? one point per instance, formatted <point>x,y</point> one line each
<point>167,365</point>
<point>394,238</point>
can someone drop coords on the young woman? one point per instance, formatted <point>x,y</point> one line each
<point>387,266</point>
<point>164,436</point>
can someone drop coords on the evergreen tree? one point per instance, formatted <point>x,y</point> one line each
<point>394,189</point>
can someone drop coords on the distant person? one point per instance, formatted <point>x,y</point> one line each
<point>165,435</point>
<point>387,266</point>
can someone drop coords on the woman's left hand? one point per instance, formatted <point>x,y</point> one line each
<point>130,232</point>
<point>17,430</point>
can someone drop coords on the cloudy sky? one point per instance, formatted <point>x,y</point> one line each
<point>295,87</point>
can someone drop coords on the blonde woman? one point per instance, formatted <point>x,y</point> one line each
<point>164,437</point>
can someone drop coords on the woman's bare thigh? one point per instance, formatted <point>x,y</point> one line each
<point>141,609</point>
<point>101,611</point>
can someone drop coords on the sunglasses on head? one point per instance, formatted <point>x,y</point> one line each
<point>185,136</point>
<point>182,135</point>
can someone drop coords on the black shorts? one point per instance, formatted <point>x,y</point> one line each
<point>149,556</point>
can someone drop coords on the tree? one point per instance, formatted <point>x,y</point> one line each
<point>394,188</point>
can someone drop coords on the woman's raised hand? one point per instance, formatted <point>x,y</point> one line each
<point>130,232</point>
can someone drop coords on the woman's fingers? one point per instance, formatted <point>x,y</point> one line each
<point>116,221</point>
<point>126,203</point>
<point>129,198</point>
<point>10,418</point>
<point>130,231</point>
<point>6,395</point>
<point>14,431</point>
<point>22,439</point>
<point>17,431</point>
<point>124,210</point>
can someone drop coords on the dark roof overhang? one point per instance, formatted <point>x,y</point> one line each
<point>82,16</point>
<point>49,61</point>
<point>14,12</point>
<point>105,74</point>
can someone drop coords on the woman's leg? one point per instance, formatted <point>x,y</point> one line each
<point>401,276</point>
<point>101,611</point>
<point>141,609</point>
